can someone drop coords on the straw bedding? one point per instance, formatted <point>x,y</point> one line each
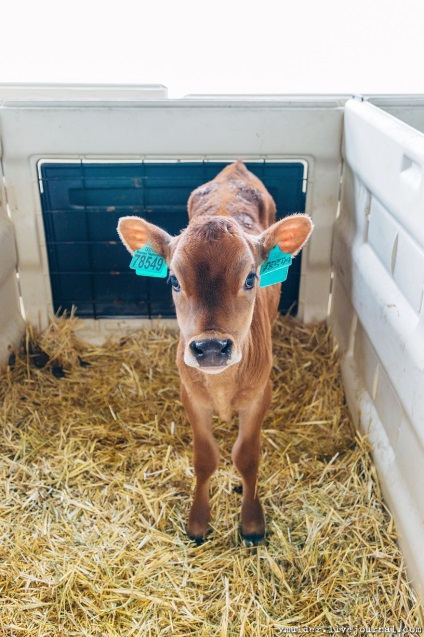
<point>96,481</point>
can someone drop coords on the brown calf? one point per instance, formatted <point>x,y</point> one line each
<point>224,353</point>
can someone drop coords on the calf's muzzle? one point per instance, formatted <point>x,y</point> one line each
<point>211,352</point>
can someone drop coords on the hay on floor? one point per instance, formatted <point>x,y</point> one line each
<point>96,480</point>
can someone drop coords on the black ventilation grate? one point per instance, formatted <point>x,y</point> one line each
<point>82,202</point>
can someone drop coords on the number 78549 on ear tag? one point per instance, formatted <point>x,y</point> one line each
<point>146,262</point>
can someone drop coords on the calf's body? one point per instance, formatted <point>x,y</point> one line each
<point>224,353</point>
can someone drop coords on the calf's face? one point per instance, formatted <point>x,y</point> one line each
<point>213,269</point>
<point>213,275</point>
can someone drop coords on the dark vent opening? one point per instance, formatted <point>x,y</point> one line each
<point>82,202</point>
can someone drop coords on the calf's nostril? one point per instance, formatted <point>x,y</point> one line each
<point>227,346</point>
<point>196,347</point>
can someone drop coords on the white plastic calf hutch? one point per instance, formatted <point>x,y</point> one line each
<point>73,158</point>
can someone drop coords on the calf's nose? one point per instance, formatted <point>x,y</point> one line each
<point>211,352</point>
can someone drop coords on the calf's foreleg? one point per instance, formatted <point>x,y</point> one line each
<point>245,455</point>
<point>205,460</point>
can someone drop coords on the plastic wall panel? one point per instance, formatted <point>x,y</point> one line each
<point>388,155</point>
<point>388,406</point>
<point>378,261</point>
<point>408,269</point>
<point>11,321</point>
<point>382,234</point>
<point>367,360</point>
<point>407,108</point>
<point>307,128</point>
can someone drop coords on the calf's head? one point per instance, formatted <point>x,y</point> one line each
<point>213,268</point>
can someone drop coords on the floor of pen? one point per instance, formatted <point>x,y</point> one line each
<point>96,480</point>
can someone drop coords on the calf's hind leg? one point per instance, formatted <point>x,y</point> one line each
<point>205,460</point>
<point>245,455</point>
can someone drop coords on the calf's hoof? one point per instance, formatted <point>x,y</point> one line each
<point>253,539</point>
<point>196,534</point>
<point>198,539</point>
<point>252,527</point>
<point>197,528</point>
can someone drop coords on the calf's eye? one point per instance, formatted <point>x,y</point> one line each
<point>172,279</point>
<point>250,281</point>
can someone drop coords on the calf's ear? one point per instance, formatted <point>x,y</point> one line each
<point>290,234</point>
<point>135,233</point>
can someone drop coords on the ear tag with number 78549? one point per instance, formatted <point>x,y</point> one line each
<point>147,262</point>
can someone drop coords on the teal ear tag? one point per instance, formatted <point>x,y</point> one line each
<point>275,269</point>
<point>146,262</point>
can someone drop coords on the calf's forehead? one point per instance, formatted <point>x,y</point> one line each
<point>212,252</point>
